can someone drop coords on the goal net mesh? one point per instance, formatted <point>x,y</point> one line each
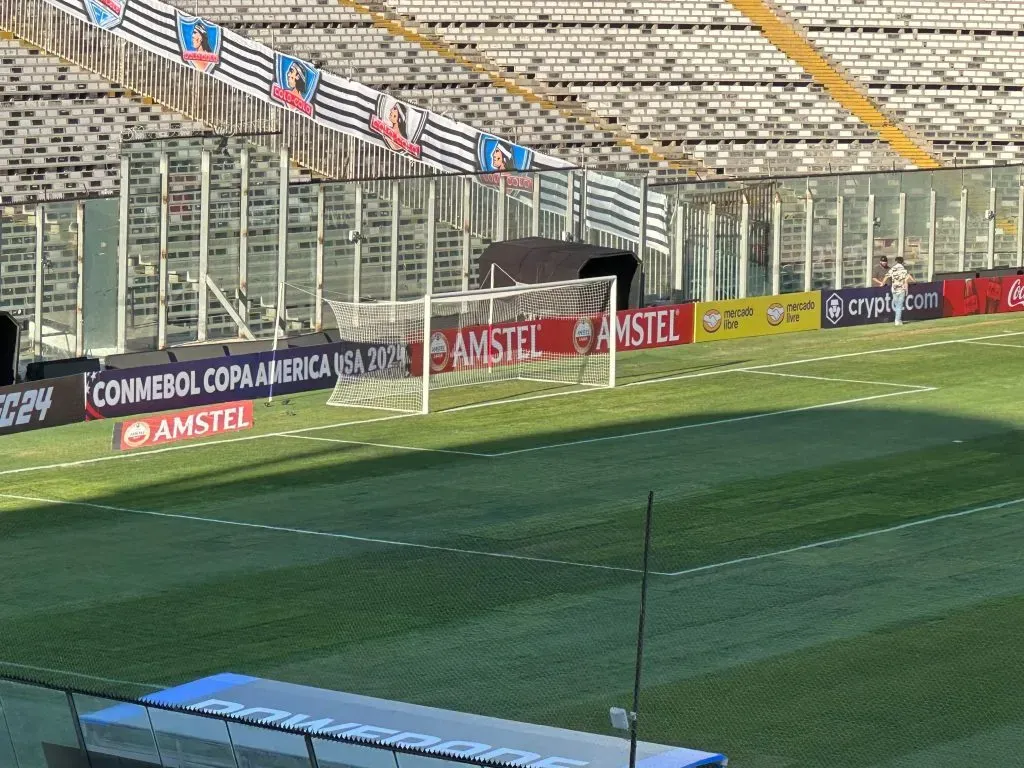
<point>555,333</point>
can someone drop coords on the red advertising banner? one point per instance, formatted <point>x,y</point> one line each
<point>508,343</point>
<point>982,296</point>
<point>190,424</point>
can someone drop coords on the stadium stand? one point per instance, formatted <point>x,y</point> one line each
<point>951,71</point>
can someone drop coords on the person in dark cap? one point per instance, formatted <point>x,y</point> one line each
<point>880,271</point>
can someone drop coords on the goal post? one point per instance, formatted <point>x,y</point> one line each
<point>561,333</point>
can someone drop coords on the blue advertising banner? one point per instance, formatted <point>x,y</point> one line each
<point>862,306</point>
<point>245,377</point>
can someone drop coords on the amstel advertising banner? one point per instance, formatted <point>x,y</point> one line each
<point>189,424</point>
<point>507,343</point>
<point>759,316</point>
<point>982,296</point>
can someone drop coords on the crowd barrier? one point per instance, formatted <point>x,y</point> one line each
<point>251,371</point>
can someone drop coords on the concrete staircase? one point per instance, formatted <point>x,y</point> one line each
<point>786,35</point>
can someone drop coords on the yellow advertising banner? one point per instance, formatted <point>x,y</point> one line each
<point>759,316</point>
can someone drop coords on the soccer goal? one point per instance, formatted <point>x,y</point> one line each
<point>557,333</point>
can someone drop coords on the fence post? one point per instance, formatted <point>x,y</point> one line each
<point>161,319</point>
<point>80,280</point>
<point>809,241</point>
<point>870,255</point>
<point>535,211</point>
<point>396,215</point>
<point>990,257</point>
<point>931,235</point>
<point>501,213</point>
<point>37,313</point>
<point>710,261</point>
<point>1020,226</point>
<point>357,246</point>
<point>204,245</point>
<point>318,287</point>
<point>122,258</point>
<point>243,236</point>
<point>901,226</point>
<point>467,227</point>
<point>282,235</point>
<point>678,248</point>
<point>744,248</point>
<point>961,258</point>
<point>432,230</point>
<point>840,216</point>
<point>777,246</point>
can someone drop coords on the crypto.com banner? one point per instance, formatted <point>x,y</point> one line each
<point>515,342</point>
<point>758,316</point>
<point>38,404</point>
<point>223,379</point>
<point>983,296</point>
<point>862,306</point>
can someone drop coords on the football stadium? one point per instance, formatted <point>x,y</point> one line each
<point>562,385</point>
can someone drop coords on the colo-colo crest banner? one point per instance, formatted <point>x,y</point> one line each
<point>242,377</point>
<point>355,109</point>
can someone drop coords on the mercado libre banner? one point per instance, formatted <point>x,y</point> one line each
<point>758,316</point>
<point>352,108</point>
<point>508,343</point>
<point>129,391</point>
<point>982,296</point>
<point>861,306</point>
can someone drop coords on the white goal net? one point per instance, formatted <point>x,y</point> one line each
<point>395,353</point>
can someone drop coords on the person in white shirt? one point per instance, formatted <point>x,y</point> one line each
<point>900,279</point>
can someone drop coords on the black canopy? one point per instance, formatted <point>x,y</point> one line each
<point>539,260</point>
<point>9,333</point>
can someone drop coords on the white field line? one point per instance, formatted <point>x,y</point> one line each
<point>851,537</point>
<point>821,359</point>
<point>324,534</point>
<point>188,446</point>
<point>832,378</point>
<point>994,344</point>
<point>490,404</point>
<point>715,423</point>
<point>100,678</point>
<point>387,445</point>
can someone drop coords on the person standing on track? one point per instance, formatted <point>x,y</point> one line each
<point>900,279</point>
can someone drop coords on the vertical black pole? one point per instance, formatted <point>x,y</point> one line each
<point>640,633</point>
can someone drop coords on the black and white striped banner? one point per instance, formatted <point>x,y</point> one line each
<point>612,205</point>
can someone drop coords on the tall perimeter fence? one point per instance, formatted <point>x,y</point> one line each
<point>205,229</point>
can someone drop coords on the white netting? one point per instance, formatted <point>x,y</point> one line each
<point>375,366</point>
<point>555,332</point>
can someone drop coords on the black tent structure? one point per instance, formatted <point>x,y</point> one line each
<point>539,260</point>
<point>10,333</point>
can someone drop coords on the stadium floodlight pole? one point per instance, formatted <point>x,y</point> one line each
<point>640,632</point>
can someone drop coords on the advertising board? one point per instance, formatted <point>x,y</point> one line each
<point>38,404</point>
<point>758,316</point>
<point>244,377</point>
<point>190,424</point>
<point>982,296</point>
<point>863,306</point>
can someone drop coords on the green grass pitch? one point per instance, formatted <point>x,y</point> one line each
<point>838,544</point>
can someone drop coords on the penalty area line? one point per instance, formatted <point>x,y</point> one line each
<point>323,534</point>
<point>388,445</point>
<point>715,423</point>
<point>911,387</point>
<point>851,537</point>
